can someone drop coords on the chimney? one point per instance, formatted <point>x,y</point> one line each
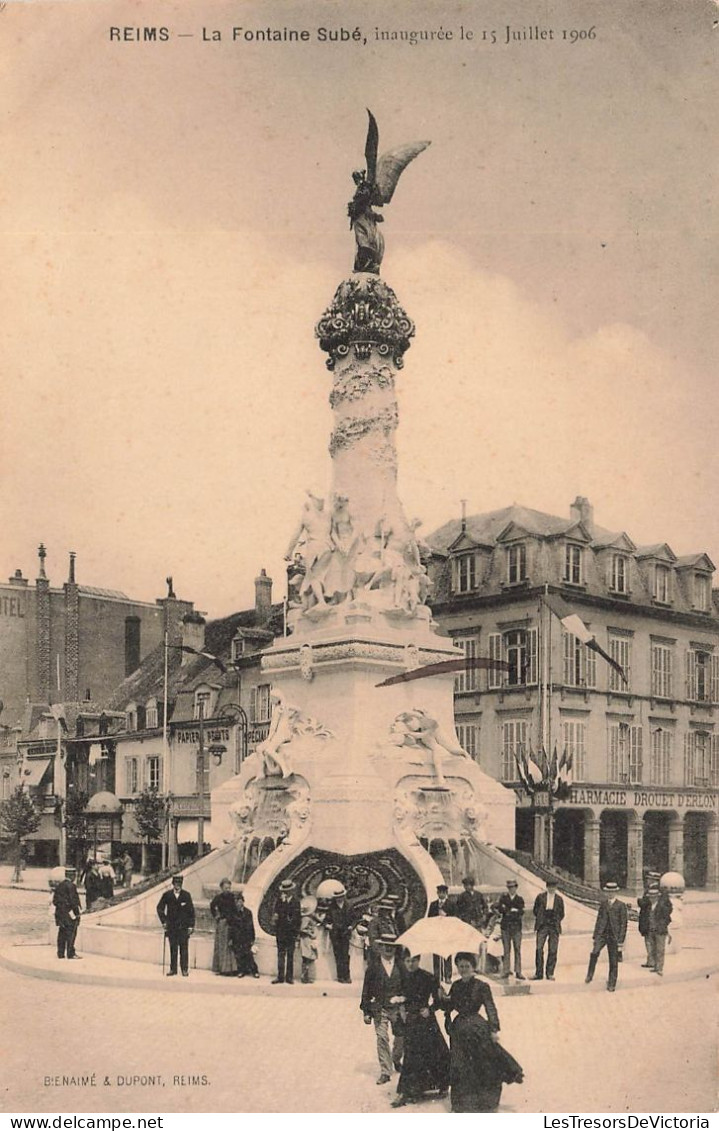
<point>193,634</point>
<point>582,510</point>
<point>17,578</point>
<point>263,597</point>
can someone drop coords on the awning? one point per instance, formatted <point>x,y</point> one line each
<point>33,772</point>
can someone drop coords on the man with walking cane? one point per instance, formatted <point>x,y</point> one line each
<point>176,912</point>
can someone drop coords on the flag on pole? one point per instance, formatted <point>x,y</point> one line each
<point>564,770</point>
<point>461,664</point>
<point>576,627</point>
<point>553,767</point>
<point>534,773</point>
<point>519,759</point>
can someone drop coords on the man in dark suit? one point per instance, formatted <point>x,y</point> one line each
<point>610,930</point>
<point>176,912</point>
<point>67,914</point>
<point>471,906</point>
<point>287,921</point>
<point>548,914</point>
<point>659,920</point>
<point>441,906</point>
<point>510,908</point>
<point>645,903</point>
<point>382,997</point>
<point>340,922</point>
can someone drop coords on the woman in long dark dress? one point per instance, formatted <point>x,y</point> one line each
<point>425,1064</point>
<point>224,911</point>
<point>478,1063</point>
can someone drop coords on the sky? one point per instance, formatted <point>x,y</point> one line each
<point>174,224</point>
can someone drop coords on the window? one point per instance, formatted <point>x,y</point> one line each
<point>620,574</point>
<point>203,709</point>
<point>514,739</point>
<point>662,671</point>
<point>468,735</point>
<point>516,564</point>
<point>661,764</point>
<point>154,772</point>
<point>132,775</point>
<point>701,759</point>
<point>625,753</point>
<point>260,705</point>
<point>662,584</point>
<point>702,676</point>
<point>238,647</point>
<point>573,564</point>
<point>580,663</point>
<point>573,743</point>
<point>620,649</point>
<point>131,716</point>
<point>701,592</point>
<point>151,715</point>
<point>464,573</point>
<point>467,680</point>
<point>517,648</point>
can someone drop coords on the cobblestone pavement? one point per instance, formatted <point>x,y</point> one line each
<point>646,1050</point>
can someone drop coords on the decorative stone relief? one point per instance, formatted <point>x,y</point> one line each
<point>419,731</point>
<point>286,724</point>
<point>355,428</point>
<point>355,383</point>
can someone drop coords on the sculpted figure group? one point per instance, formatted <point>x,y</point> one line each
<point>333,561</point>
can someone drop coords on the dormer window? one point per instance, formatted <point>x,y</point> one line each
<point>151,714</point>
<point>662,584</point>
<point>573,564</point>
<point>131,716</point>
<point>701,592</point>
<point>203,700</point>
<point>516,563</point>
<point>464,573</point>
<point>619,580</point>
<point>238,647</point>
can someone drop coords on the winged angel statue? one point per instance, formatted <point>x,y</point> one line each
<point>375,187</point>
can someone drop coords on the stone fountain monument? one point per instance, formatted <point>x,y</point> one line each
<point>358,781</point>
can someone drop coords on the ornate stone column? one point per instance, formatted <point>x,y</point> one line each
<point>676,844</point>
<point>591,849</point>
<point>712,854</point>
<point>635,851</point>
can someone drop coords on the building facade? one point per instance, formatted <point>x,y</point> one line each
<point>644,741</point>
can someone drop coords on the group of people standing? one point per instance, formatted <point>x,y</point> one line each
<point>401,1000</point>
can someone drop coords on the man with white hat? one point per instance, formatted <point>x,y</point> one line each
<point>610,930</point>
<point>287,921</point>
<point>67,914</point>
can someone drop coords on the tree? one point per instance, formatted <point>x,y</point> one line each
<point>76,826</point>
<point>18,818</point>
<point>150,811</point>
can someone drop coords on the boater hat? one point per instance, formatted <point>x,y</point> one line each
<point>611,886</point>
<point>287,885</point>
<point>387,940</point>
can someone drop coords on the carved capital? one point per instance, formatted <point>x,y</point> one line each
<point>364,315</point>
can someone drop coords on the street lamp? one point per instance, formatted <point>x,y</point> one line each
<point>237,715</point>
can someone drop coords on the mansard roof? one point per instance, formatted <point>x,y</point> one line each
<point>487,529</point>
<point>695,561</point>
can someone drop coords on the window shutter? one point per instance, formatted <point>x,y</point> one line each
<point>253,704</point>
<point>635,755</point>
<point>567,647</point>
<point>590,668</point>
<point>532,655</point>
<point>691,674</point>
<point>689,759</point>
<point>495,676</point>
<point>714,776</point>
<point>715,679</point>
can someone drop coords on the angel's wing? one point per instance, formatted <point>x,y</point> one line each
<point>371,146</point>
<point>391,165</point>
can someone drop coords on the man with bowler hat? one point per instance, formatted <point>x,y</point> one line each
<point>610,930</point>
<point>287,921</point>
<point>176,912</point>
<point>381,1004</point>
<point>67,914</point>
<point>471,905</point>
<point>548,914</point>
<point>510,908</point>
<point>441,906</point>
